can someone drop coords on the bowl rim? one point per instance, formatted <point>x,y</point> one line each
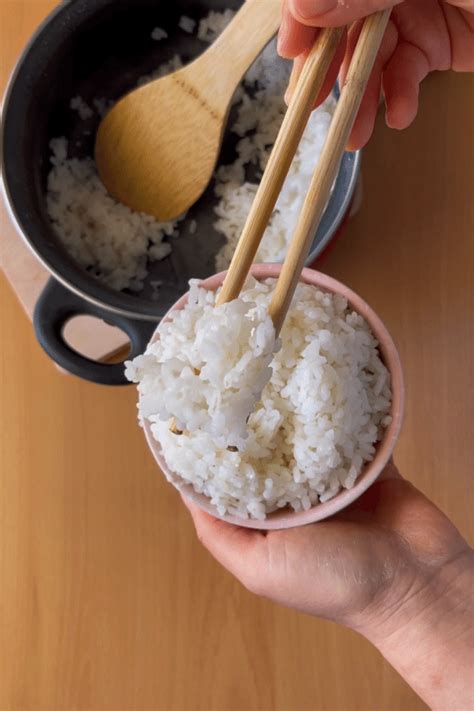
<point>286,518</point>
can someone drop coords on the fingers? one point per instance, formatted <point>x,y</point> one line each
<point>365,120</point>
<point>240,550</point>
<point>329,80</point>
<point>402,77</point>
<point>331,13</point>
<point>398,69</point>
<point>390,472</point>
<point>363,508</point>
<point>293,37</point>
<point>364,123</point>
<point>461,33</point>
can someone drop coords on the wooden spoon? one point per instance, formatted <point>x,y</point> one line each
<point>157,148</point>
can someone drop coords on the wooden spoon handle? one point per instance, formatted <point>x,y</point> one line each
<point>328,164</point>
<point>289,136</point>
<point>236,48</point>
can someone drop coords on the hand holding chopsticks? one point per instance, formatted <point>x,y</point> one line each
<point>292,128</point>
<point>279,162</point>
<point>328,164</point>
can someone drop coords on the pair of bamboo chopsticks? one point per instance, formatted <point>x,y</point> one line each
<point>291,131</point>
<point>288,139</point>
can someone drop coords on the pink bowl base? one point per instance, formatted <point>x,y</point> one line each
<point>287,518</point>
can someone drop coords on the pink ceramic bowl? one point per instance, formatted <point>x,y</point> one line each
<point>287,518</point>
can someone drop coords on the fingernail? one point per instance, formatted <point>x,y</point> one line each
<point>312,8</point>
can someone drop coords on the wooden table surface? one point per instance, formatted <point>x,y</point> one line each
<point>107,601</point>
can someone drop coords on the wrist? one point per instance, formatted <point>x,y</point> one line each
<point>428,635</point>
<point>435,598</point>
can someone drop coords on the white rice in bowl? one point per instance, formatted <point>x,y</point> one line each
<point>266,423</point>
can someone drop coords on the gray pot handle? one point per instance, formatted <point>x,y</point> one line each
<point>56,306</point>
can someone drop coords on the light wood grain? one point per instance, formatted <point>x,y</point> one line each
<point>279,162</point>
<point>328,164</point>
<point>107,601</point>
<point>157,148</point>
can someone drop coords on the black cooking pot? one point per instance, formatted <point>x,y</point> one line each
<point>98,48</point>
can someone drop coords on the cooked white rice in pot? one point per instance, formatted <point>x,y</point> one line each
<point>265,424</point>
<point>117,244</point>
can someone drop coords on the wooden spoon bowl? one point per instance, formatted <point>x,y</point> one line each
<point>157,148</point>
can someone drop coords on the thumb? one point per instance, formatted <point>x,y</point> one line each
<point>240,550</point>
<point>334,13</point>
